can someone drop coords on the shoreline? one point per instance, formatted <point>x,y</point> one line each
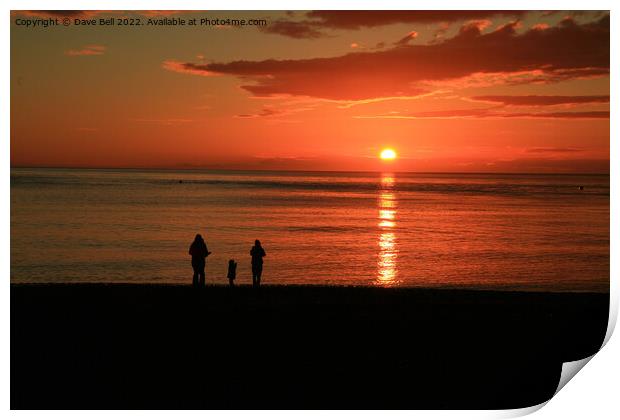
<point>311,286</point>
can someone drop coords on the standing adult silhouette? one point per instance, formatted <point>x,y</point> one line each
<point>199,252</point>
<point>257,252</point>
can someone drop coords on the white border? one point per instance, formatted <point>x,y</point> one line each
<point>593,394</point>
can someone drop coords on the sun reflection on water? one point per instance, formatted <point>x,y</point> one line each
<point>388,249</point>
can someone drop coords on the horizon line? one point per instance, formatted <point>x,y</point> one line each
<point>137,168</point>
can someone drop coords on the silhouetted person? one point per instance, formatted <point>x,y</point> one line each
<point>199,252</point>
<point>257,252</point>
<point>232,272</point>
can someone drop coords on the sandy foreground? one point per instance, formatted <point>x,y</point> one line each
<point>303,347</point>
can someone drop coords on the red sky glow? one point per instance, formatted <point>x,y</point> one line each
<point>500,91</point>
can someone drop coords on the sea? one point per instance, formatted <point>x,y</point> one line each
<point>417,230</point>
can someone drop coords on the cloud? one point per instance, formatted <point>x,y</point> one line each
<point>293,29</point>
<point>87,50</point>
<point>542,100</point>
<point>488,113</point>
<point>554,150</point>
<point>440,32</point>
<point>314,24</point>
<point>477,26</point>
<point>406,39</point>
<point>446,114</point>
<point>189,68</point>
<point>265,112</point>
<point>566,115</point>
<point>357,19</point>
<point>563,52</point>
<point>163,121</point>
<point>286,108</point>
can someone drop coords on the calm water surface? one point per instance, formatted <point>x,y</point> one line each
<point>523,232</point>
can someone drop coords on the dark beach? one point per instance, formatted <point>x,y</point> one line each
<point>303,347</point>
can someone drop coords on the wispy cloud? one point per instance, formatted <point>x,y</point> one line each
<point>265,112</point>
<point>286,108</point>
<point>163,121</point>
<point>87,50</point>
<point>293,29</point>
<point>488,113</point>
<point>406,39</point>
<point>315,24</point>
<point>553,150</point>
<point>541,100</point>
<point>189,68</point>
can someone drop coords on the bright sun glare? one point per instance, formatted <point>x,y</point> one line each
<point>388,154</point>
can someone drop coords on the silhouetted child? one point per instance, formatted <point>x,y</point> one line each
<point>232,272</point>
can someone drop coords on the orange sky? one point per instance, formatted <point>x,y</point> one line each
<point>449,91</point>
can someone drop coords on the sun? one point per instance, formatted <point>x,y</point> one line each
<point>388,154</point>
